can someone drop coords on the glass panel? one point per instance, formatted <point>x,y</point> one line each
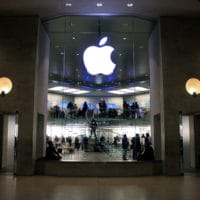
<point>70,85</point>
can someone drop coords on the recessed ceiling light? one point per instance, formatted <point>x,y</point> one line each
<point>129,90</point>
<point>55,81</point>
<point>129,4</point>
<point>124,38</point>
<point>68,4</point>
<point>62,89</point>
<point>73,38</point>
<point>99,4</point>
<point>81,92</point>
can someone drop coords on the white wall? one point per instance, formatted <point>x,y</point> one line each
<point>56,99</point>
<point>116,100</point>
<point>142,99</point>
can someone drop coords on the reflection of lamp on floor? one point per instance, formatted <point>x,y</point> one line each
<point>193,86</point>
<point>5,86</point>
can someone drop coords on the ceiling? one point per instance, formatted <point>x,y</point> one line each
<point>141,8</point>
<point>71,35</point>
<point>73,25</point>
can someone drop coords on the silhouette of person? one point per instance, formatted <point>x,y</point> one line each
<point>51,152</point>
<point>125,145</point>
<point>93,126</point>
<point>148,154</point>
<point>136,146</point>
<point>84,109</point>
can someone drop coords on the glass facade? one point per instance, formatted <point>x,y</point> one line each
<point>119,103</point>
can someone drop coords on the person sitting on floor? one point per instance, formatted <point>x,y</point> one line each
<point>51,152</point>
<point>148,154</point>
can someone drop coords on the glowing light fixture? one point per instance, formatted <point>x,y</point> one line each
<point>142,89</point>
<point>5,86</point>
<point>193,86</point>
<point>62,89</point>
<point>129,90</point>
<point>99,4</point>
<point>129,4</point>
<point>68,4</point>
<point>98,60</point>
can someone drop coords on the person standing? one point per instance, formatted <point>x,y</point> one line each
<point>147,140</point>
<point>136,146</point>
<point>93,127</point>
<point>84,109</point>
<point>85,143</point>
<point>125,145</point>
<point>137,110</point>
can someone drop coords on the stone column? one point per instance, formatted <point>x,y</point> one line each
<point>19,60</point>
<point>178,61</point>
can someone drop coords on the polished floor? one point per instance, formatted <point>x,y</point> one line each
<point>109,155</point>
<point>82,156</point>
<point>136,188</point>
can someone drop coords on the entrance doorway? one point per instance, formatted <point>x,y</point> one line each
<point>8,141</point>
<point>190,141</point>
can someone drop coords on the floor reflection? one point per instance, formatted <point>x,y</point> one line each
<point>115,155</point>
<point>62,188</point>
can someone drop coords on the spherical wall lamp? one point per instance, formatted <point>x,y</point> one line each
<point>5,86</point>
<point>193,86</point>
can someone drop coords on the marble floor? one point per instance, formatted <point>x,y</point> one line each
<point>139,188</point>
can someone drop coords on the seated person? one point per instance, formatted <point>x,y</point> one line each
<point>148,154</point>
<point>51,152</point>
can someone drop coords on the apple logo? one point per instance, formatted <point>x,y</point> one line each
<point>98,60</point>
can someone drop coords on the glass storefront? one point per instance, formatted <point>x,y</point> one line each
<point>66,129</point>
<point>72,84</point>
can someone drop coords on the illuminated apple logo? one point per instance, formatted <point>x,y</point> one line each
<point>98,60</point>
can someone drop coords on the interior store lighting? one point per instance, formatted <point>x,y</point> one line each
<point>68,4</point>
<point>99,4</point>
<point>129,90</point>
<point>129,4</point>
<point>63,89</point>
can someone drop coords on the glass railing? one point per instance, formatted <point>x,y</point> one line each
<point>75,140</point>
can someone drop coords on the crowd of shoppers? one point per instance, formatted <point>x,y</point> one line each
<point>131,111</point>
<point>140,147</point>
<point>101,110</point>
